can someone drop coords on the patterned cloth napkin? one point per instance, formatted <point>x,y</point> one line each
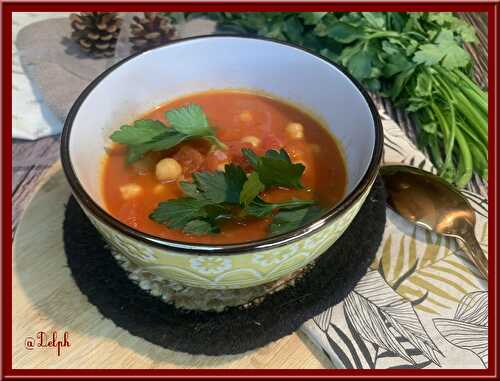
<point>422,303</point>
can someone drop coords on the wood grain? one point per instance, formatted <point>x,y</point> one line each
<point>47,299</point>
<point>29,161</point>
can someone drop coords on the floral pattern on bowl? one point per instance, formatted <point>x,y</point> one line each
<point>236,270</point>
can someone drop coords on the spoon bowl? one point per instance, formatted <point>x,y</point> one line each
<point>432,203</point>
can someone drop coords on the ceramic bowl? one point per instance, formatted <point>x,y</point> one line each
<point>143,81</point>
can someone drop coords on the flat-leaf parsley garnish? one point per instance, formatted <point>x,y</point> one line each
<point>275,168</point>
<point>216,196</point>
<point>145,135</point>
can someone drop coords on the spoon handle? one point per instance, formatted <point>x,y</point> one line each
<point>475,252</point>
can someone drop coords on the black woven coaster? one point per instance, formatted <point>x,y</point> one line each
<point>235,330</point>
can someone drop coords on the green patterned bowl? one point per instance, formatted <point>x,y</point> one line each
<point>140,82</point>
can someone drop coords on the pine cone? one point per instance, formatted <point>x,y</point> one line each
<point>96,32</point>
<point>151,31</point>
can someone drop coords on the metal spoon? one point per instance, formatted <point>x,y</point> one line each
<point>432,203</point>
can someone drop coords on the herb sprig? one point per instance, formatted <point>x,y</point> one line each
<point>216,196</point>
<point>147,135</point>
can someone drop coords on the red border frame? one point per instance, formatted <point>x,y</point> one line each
<point>493,10</point>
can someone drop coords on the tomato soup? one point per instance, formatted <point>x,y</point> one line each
<point>240,120</point>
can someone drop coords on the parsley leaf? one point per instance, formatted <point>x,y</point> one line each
<point>235,180</point>
<point>142,131</point>
<point>344,33</point>
<point>360,63</point>
<point>189,120</point>
<point>168,139</point>
<point>445,50</point>
<point>375,19</point>
<point>211,185</point>
<point>191,215</point>
<point>200,227</point>
<point>178,212</point>
<point>448,20</point>
<point>146,135</point>
<point>260,208</point>
<point>276,168</point>
<point>287,220</point>
<point>441,18</point>
<point>191,190</point>
<point>213,196</point>
<point>252,158</point>
<point>396,63</point>
<point>251,189</point>
<point>217,187</point>
<point>312,18</point>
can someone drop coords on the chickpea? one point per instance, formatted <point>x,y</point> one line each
<point>252,140</point>
<point>295,130</point>
<point>130,191</point>
<point>168,169</point>
<point>246,116</point>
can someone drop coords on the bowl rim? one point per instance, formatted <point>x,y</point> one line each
<point>222,249</point>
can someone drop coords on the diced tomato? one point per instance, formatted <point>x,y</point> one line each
<point>271,141</point>
<point>236,156</point>
<point>215,159</point>
<point>190,159</point>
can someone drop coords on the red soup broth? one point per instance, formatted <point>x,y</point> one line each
<point>234,115</point>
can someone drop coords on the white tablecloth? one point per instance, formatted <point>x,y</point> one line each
<point>31,119</point>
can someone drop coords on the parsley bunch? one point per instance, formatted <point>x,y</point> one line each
<point>146,135</point>
<point>417,59</point>
<point>213,197</point>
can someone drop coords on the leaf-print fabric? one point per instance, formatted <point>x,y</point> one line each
<point>469,327</point>
<point>422,303</point>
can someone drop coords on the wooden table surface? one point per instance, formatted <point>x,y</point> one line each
<point>31,158</point>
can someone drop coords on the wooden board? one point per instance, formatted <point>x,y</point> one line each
<point>45,298</point>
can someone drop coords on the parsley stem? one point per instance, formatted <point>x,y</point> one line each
<point>472,116</point>
<point>465,161</point>
<point>219,144</point>
<point>478,101</point>
<point>450,139</point>
<point>415,34</point>
<point>449,132</point>
<point>436,154</point>
<point>472,85</point>
<point>379,34</point>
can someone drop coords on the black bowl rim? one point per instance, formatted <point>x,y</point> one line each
<point>224,249</point>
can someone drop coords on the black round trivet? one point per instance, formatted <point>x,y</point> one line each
<point>235,330</point>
